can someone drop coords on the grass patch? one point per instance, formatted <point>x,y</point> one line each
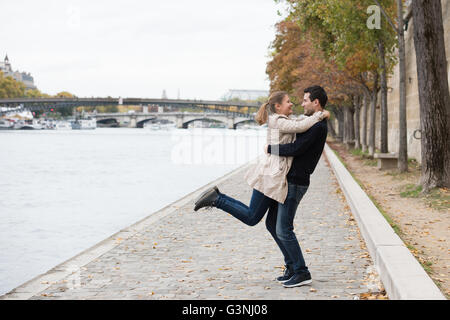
<point>357,152</point>
<point>360,153</point>
<point>364,155</point>
<point>371,162</point>
<point>437,198</point>
<point>426,265</point>
<point>411,191</point>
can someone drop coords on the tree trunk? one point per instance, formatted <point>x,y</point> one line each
<point>384,111</point>
<point>339,115</point>
<point>351,122</point>
<point>349,128</point>
<point>357,107</point>
<point>346,124</point>
<point>341,126</point>
<point>373,105</point>
<point>366,98</point>
<point>331,130</point>
<point>434,96</point>
<point>403,142</point>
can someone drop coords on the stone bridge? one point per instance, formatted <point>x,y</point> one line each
<point>181,119</point>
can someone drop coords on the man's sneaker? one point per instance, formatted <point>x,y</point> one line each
<point>288,273</point>
<point>207,198</point>
<point>298,279</point>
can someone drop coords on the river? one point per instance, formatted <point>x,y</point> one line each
<point>61,192</point>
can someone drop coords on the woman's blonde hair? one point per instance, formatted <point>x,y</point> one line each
<point>269,106</point>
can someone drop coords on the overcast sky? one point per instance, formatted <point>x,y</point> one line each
<point>139,48</point>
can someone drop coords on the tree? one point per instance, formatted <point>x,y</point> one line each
<point>10,88</point>
<point>297,64</point>
<point>399,30</point>
<point>373,104</point>
<point>384,111</point>
<point>434,97</point>
<point>357,108</point>
<point>35,93</point>
<point>340,31</point>
<point>64,94</point>
<point>366,99</point>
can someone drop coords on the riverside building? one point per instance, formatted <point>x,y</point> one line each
<point>25,78</point>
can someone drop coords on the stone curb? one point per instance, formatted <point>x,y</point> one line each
<point>402,275</point>
<point>73,265</point>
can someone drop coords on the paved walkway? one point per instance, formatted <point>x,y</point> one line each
<point>211,255</point>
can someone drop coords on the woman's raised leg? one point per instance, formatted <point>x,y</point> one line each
<point>250,215</point>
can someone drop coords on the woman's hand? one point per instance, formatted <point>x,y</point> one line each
<point>326,114</point>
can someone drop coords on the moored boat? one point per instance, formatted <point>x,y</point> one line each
<point>81,124</point>
<point>6,124</point>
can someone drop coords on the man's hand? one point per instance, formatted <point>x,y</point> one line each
<point>326,114</point>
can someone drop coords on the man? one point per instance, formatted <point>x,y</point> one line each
<point>306,150</point>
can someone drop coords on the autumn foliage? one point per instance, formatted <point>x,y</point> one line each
<point>297,64</point>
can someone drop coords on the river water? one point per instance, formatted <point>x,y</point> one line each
<point>63,191</point>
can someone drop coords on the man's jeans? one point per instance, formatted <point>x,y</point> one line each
<point>284,230</point>
<point>279,220</point>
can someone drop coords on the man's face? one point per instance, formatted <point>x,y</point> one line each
<point>308,105</point>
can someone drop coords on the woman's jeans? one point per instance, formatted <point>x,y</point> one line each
<point>279,221</point>
<point>249,215</point>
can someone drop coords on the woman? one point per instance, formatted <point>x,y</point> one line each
<point>268,177</point>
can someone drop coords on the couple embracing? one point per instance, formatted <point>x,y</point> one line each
<point>281,178</point>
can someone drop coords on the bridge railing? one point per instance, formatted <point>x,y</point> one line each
<point>34,104</point>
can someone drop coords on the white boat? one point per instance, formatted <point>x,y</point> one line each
<point>168,126</point>
<point>153,126</point>
<point>63,125</point>
<point>28,125</point>
<point>159,125</point>
<point>82,124</point>
<point>6,124</point>
<point>47,124</point>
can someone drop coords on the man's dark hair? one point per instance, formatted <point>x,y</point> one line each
<point>317,92</point>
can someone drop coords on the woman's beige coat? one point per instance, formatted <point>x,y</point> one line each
<point>268,176</point>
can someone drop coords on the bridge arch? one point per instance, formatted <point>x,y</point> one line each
<point>244,122</point>
<point>207,119</point>
<point>140,124</point>
<point>108,122</point>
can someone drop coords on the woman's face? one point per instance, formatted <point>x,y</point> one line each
<point>285,107</point>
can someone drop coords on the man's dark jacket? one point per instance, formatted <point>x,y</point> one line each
<point>306,150</point>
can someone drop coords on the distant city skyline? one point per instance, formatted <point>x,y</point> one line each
<point>192,50</point>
